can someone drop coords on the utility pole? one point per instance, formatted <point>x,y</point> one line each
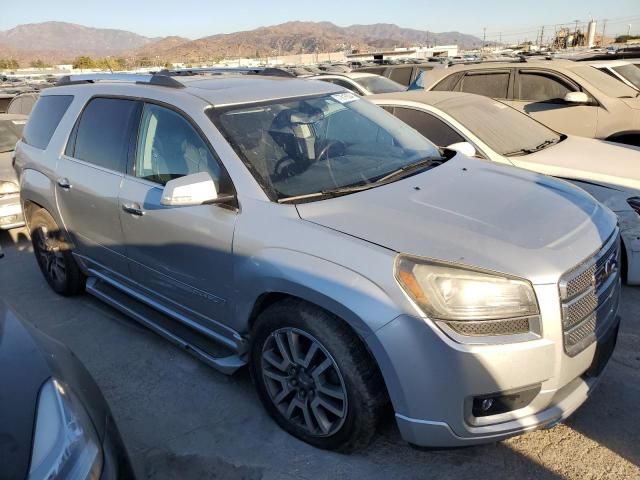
<point>604,29</point>
<point>628,31</point>
<point>484,37</point>
<point>541,37</point>
<point>575,35</point>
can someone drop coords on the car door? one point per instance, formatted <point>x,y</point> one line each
<point>540,93</point>
<point>180,256</point>
<point>89,175</point>
<point>488,83</point>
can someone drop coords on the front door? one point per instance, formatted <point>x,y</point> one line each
<point>540,94</point>
<point>88,180</point>
<point>180,256</point>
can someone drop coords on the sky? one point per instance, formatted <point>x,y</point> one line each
<point>195,19</point>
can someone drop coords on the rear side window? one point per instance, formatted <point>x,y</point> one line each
<point>105,132</point>
<point>44,119</point>
<point>540,87</point>
<point>489,84</point>
<point>448,84</point>
<point>402,75</point>
<point>429,126</point>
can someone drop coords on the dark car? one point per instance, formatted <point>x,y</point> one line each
<point>54,421</point>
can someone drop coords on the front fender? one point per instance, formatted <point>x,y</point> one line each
<point>360,302</point>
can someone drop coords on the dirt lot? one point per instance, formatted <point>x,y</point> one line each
<point>180,419</point>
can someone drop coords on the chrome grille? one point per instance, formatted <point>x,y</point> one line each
<point>490,328</point>
<point>589,294</point>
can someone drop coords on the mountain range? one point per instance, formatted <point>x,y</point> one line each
<point>61,41</point>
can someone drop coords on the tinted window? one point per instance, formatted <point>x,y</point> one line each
<point>343,84</point>
<point>539,87</point>
<point>376,70</point>
<point>44,120</point>
<point>169,147</point>
<point>431,127</point>
<point>448,84</point>
<point>402,75</point>
<point>489,84</point>
<point>104,132</point>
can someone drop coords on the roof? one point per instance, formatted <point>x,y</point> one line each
<point>351,75</point>
<point>222,90</point>
<point>428,97</point>
<point>606,63</point>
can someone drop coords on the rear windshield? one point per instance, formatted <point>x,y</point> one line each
<point>10,133</point>
<point>631,73</point>
<point>506,130</point>
<point>379,84</point>
<point>603,82</point>
<point>44,119</point>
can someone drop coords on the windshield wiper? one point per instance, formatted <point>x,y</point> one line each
<point>424,162</point>
<point>527,151</point>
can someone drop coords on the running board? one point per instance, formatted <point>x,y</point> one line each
<point>206,349</point>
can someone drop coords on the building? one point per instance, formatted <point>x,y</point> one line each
<point>417,52</point>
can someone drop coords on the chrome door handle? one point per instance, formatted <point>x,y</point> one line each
<point>64,183</point>
<point>133,209</point>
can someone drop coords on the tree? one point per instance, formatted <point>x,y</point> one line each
<point>626,38</point>
<point>84,62</point>
<point>38,64</point>
<point>9,64</point>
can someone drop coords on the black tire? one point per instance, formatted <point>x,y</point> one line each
<point>53,254</point>
<point>364,392</point>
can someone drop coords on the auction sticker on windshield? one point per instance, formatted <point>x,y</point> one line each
<point>345,97</point>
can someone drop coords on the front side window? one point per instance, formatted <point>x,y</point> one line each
<point>44,119</point>
<point>104,132</point>
<point>541,87</point>
<point>428,125</point>
<point>169,147</point>
<point>310,145</point>
<point>488,84</point>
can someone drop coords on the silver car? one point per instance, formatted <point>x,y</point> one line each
<point>10,209</point>
<point>294,227</point>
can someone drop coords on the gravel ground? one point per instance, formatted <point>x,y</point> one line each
<point>181,419</point>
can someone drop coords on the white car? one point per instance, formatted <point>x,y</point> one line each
<point>485,128</point>
<point>361,83</point>
<point>625,71</point>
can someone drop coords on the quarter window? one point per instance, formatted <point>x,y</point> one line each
<point>402,75</point>
<point>429,126</point>
<point>169,147</point>
<point>46,115</point>
<point>540,87</point>
<point>105,131</point>
<point>489,84</point>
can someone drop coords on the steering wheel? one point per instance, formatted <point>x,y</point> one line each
<point>327,147</point>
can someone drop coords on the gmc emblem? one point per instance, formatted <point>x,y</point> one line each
<point>609,268</point>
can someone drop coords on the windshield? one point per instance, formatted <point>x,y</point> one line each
<point>305,146</point>
<point>378,84</point>
<point>603,82</point>
<point>504,129</point>
<point>631,73</point>
<point>10,133</point>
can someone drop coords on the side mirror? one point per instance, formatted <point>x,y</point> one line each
<point>464,148</point>
<point>195,189</point>
<point>576,98</point>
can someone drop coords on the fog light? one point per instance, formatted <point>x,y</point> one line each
<point>503,402</point>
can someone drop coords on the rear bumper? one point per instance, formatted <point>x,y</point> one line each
<point>433,380</point>
<point>11,212</point>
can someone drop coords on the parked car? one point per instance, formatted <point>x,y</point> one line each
<point>292,226</point>
<point>22,104</point>
<point>402,74</point>
<point>623,70</point>
<point>10,209</point>
<point>482,127</point>
<point>55,422</point>
<point>362,83</point>
<point>569,97</point>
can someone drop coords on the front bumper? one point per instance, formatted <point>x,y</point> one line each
<point>432,380</point>
<point>11,212</point>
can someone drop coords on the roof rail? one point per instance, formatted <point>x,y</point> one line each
<point>143,79</point>
<point>267,71</point>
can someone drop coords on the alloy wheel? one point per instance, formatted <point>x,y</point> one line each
<point>51,258</point>
<point>304,382</point>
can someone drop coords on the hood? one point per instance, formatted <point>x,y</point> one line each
<point>631,102</point>
<point>476,213</point>
<point>7,172</point>
<point>23,372</point>
<point>579,158</point>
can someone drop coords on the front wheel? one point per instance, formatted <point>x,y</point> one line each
<point>315,378</point>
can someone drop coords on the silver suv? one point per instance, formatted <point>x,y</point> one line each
<point>292,226</point>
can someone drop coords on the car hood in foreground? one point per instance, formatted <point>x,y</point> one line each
<point>476,213</point>
<point>587,159</point>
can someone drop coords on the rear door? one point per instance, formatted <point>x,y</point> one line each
<point>181,256</point>
<point>540,93</point>
<point>489,83</point>
<point>89,175</point>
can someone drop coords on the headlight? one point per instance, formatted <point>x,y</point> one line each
<point>8,187</point>
<point>634,203</point>
<point>460,297</point>
<point>65,443</point>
